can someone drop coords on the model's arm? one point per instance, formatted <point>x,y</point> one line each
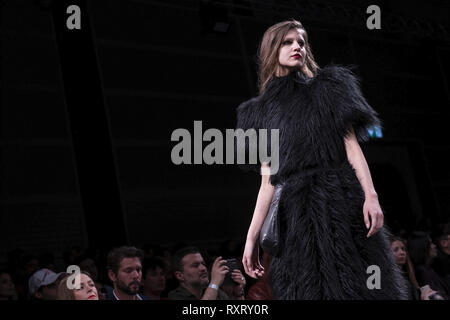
<point>250,258</point>
<point>371,205</point>
<point>265,195</point>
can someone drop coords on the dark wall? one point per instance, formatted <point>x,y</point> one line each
<point>162,67</point>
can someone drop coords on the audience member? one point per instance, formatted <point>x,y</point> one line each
<point>86,290</point>
<point>43,284</point>
<point>402,259</point>
<point>125,272</point>
<point>441,264</point>
<point>88,264</point>
<point>154,277</point>
<point>422,252</point>
<point>192,274</point>
<point>7,287</point>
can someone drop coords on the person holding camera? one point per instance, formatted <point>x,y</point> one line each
<point>234,282</point>
<point>192,274</point>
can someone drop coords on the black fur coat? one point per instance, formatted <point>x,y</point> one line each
<point>325,253</point>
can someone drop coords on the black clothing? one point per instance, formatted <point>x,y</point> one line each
<point>441,264</point>
<point>426,275</point>
<point>324,249</point>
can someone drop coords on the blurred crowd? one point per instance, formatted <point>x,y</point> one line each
<point>185,272</point>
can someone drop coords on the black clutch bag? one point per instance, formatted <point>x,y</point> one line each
<point>269,237</point>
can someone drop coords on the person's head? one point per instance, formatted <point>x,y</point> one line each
<point>277,49</point>
<point>190,268</point>
<point>421,249</point>
<point>43,284</point>
<point>125,269</point>
<point>7,287</point>
<point>86,291</point>
<point>402,259</point>
<point>443,239</point>
<point>154,274</point>
<point>31,264</point>
<point>86,263</point>
<point>398,247</point>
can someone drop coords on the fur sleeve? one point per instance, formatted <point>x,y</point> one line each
<point>248,118</point>
<point>350,108</point>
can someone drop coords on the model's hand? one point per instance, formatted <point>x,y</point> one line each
<point>372,208</point>
<point>250,260</point>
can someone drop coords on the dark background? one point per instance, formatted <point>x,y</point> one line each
<point>86,119</point>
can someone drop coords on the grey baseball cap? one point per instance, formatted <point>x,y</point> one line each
<point>42,277</point>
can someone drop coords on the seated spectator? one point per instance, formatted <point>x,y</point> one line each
<point>154,277</point>
<point>29,264</point>
<point>260,289</point>
<point>398,246</point>
<point>43,284</point>
<point>7,287</point>
<point>441,264</point>
<point>125,272</point>
<point>87,264</point>
<point>86,291</point>
<point>422,252</point>
<point>191,272</point>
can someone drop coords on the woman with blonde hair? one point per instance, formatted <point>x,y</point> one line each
<point>330,220</point>
<point>86,290</point>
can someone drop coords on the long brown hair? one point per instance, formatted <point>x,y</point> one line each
<point>409,268</point>
<point>63,291</point>
<point>268,52</point>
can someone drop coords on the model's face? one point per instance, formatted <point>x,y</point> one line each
<point>155,279</point>
<point>194,271</point>
<point>7,288</point>
<point>399,252</point>
<point>87,290</point>
<point>129,276</point>
<point>292,53</point>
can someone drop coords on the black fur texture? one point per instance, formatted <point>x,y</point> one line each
<point>324,249</point>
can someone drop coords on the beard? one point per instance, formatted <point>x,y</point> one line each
<point>127,288</point>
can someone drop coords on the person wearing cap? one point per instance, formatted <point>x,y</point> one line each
<point>43,284</point>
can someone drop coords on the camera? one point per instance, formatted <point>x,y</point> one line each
<point>231,264</point>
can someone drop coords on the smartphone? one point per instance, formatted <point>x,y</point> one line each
<point>231,264</point>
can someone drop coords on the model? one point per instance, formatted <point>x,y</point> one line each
<point>333,243</point>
